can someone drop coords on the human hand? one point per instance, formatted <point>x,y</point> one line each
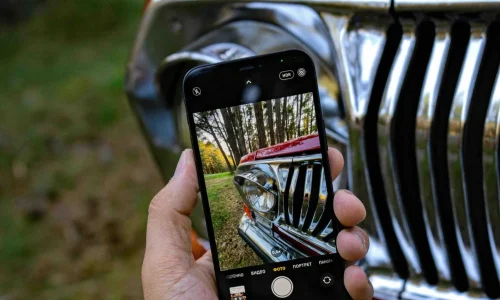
<point>169,270</point>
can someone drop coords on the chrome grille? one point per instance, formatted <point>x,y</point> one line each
<point>422,100</point>
<point>306,204</point>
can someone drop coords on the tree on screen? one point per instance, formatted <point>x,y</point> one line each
<point>249,117</point>
<point>240,130</point>
<point>205,122</point>
<point>284,122</point>
<point>299,114</point>
<point>231,135</point>
<point>279,128</point>
<point>212,158</point>
<point>221,130</point>
<point>259,120</point>
<point>270,122</point>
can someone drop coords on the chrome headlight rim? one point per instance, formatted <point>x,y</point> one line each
<point>262,183</point>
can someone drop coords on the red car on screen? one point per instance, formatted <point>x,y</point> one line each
<point>286,202</point>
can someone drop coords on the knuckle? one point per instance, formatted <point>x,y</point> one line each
<point>159,201</point>
<point>155,205</point>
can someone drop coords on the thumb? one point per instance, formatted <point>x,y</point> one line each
<point>207,264</point>
<point>168,238</point>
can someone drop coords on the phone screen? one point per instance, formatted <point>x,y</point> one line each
<point>260,152</point>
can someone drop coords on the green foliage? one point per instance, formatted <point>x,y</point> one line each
<point>71,153</point>
<point>15,248</point>
<point>76,20</point>
<point>54,92</point>
<point>211,158</point>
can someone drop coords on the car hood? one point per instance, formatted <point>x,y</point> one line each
<point>299,145</point>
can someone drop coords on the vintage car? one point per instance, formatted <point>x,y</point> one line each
<point>410,91</point>
<point>288,211</point>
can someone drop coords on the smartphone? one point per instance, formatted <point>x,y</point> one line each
<point>261,155</point>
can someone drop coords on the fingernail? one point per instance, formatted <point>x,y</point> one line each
<point>361,237</point>
<point>181,165</point>
<point>348,192</point>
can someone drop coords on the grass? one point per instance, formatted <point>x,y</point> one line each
<point>226,208</point>
<point>218,175</point>
<point>219,190</point>
<point>75,176</point>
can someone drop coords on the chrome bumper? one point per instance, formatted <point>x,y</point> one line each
<point>264,244</point>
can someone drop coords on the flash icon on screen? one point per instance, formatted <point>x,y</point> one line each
<point>196,91</point>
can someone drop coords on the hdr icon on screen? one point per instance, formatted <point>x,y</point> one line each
<point>286,75</point>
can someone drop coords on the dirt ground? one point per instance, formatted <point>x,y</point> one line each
<point>227,209</point>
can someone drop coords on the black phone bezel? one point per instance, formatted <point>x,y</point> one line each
<point>225,82</point>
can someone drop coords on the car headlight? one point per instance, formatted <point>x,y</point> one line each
<point>257,187</point>
<point>260,199</point>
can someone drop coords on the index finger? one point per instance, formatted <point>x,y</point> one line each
<point>336,161</point>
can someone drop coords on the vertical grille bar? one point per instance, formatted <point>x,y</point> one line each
<point>358,48</point>
<point>471,158</point>
<point>310,210</point>
<point>402,145</point>
<point>425,114</point>
<point>385,118</point>
<point>287,193</point>
<point>326,216</point>
<point>491,164</point>
<point>321,205</point>
<point>437,155</point>
<point>371,152</point>
<point>306,198</point>
<point>298,195</point>
<point>492,147</point>
<point>330,236</point>
<point>291,193</point>
<point>458,111</point>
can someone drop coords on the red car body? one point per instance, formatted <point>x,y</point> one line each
<point>304,144</point>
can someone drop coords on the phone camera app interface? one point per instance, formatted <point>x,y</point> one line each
<point>265,181</point>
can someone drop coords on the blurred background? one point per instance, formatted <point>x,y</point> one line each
<point>75,175</point>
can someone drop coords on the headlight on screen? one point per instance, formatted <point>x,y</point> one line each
<point>260,199</point>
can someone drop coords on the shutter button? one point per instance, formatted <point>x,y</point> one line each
<point>282,287</point>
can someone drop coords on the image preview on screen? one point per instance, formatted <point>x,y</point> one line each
<point>263,172</point>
